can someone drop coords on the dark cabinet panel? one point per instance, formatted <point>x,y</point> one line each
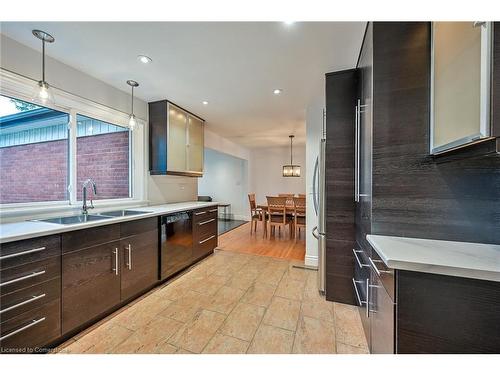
<point>444,314</point>
<point>131,228</point>
<point>381,311</point>
<point>80,239</point>
<point>495,100</point>
<point>28,251</point>
<point>90,283</point>
<point>139,263</point>
<point>158,137</point>
<point>32,329</point>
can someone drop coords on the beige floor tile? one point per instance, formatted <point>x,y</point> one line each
<point>195,334</point>
<point>311,291</point>
<point>243,321</point>
<point>221,344</point>
<point>101,340</point>
<point>348,325</point>
<point>242,280</point>
<point>259,294</point>
<point>224,300</point>
<point>183,351</point>
<point>193,298</point>
<point>152,338</point>
<point>314,336</point>
<point>142,312</point>
<point>271,275</point>
<point>299,274</point>
<point>348,349</point>
<point>321,309</point>
<point>290,288</point>
<point>282,313</point>
<point>180,312</point>
<point>210,284</point>
<point>172,291</point>
<point>271,340</point>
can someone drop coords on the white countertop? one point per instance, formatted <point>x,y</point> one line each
<point>28,229</point>
<point>462,259</point>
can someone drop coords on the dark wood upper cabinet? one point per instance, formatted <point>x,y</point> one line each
<point>176,140</point>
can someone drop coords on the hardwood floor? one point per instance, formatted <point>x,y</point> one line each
<point>240,240</point>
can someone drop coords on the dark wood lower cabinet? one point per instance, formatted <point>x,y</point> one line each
<point>90,283</point>
<point>139,263</point>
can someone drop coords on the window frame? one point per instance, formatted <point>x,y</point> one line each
<point>19,87</point>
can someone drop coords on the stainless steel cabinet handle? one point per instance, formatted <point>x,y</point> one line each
<point>19,330</point>
<point>379,272</point>
<point>367,298</point>
<point>115,252</point>
<point>315,229</point>
<point>206,222</point>
<point>361,265</point>
<point>214,210</point>
<point>358,298</point>
<point>206,239</point>
<point>356,151</point>
<point>23,253</point>
<point>32,299</point>
<point>129,263</point>
<point>31,275</point>
<point>200,213</point>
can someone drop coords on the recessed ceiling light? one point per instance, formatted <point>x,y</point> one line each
<point>205,102</point>
<point>277,91</point>
<point>144,59</point>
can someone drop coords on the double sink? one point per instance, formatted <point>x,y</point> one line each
<point>76,219</point>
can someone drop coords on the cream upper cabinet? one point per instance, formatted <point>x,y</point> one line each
<point>176,142</point>
<point>195,145</point>
<point>461,71</point>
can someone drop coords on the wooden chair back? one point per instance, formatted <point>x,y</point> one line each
<point>299,205</point>
<point>302,195</point>
<point>251,200</point>
<point>276,209</point>
<point>289,198</point>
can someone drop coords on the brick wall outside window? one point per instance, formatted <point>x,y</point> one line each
<point>38,172</point>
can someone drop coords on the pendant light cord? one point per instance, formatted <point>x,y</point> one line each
<point>291,150</point>
<point>132,100</point>
<point>43,61</point>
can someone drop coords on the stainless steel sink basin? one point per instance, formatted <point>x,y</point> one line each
<point>119,213</point>
<point>74,219</point>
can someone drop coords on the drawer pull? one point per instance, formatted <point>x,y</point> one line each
<point>32,299</point>
<point>206,239</point>
<point>361,265</point>
<point>206,222</point>
<point>358,298</point>
<point>31,275</point>
<point>22,253</point>
<point>200,213</point>
<point>379,272</point>
<point>34,322</point>
<point>214,210</point>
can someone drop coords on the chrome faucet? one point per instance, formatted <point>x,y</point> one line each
<point>85,210</point>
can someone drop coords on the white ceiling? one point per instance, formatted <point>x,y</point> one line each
<point>234,66</point>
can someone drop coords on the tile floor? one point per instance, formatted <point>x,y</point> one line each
<point>229,303</point>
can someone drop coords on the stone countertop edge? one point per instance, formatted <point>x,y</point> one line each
<point>451,258</point>
<point>23,230</point>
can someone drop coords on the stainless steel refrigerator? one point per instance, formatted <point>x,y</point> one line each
<point>319,232</point>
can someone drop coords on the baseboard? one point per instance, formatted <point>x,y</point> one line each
<point>311,260</point>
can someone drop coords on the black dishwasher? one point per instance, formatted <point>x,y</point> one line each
<point>176,242</point>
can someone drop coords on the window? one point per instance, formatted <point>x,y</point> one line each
<point>33,153</point>
<point>103,154</point>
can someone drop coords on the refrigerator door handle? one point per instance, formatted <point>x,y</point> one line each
<point>315,192</point>
<point>315,233</point>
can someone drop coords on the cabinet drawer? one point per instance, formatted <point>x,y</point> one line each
<point>384,273</point>
<point>134,227</point>
<point>30,298</point>
<point>203,246</point>
<point>21,252</point>
<point>205,228</point>
<point>80,239</point>
<point>206,213</point>
<point>32,329</point>
<point>15,278</point>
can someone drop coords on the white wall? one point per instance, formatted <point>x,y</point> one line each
<point>314,121</point>
<point>23,60</point>
<point>266,168</point>
<point>225,179</point>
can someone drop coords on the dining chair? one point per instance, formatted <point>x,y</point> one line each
<point>299,215</point>
<point>301,195</point>
<point>289,198</point>
<point>256,215</point>
<point>277,214</point>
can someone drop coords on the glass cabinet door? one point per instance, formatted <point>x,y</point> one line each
<point>177,139</point>
<point>195,145</point>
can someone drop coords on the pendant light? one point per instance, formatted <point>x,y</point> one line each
<point>42,91</point>
<point>132,122</point>
<point>291,170</point>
